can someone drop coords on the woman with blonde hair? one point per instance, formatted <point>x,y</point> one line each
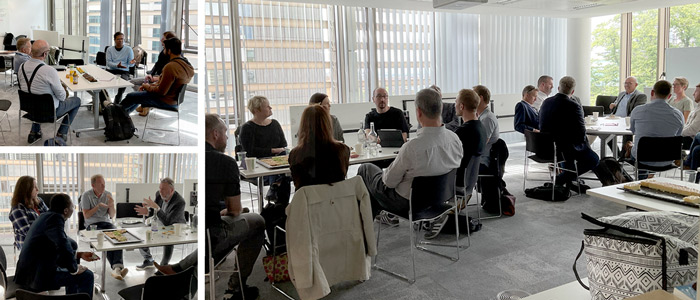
<point>26,207</point>
<point>318,158</point>
<point>680,100</point>
<point>262,136</point>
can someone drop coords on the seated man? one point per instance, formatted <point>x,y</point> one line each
<point>435,151</point>
<point>156,70</point>
<point>385,116</point>
<point>49,259</point>
<point>36,78</point>
<point>163,93</point>
<point>490,123</point>
<point>119,59</point>
<point>526,116</point>
<point>229,227</point>
<point>24,50</point>
<point>562,118</point>
<point>544,87</point>
<point>656,119</point>
<point>169,207</point>
<point>98,209</point>
<point>626,102</point>
<point>188,261</point>
<point>471,132</point>
<point>692,130</point>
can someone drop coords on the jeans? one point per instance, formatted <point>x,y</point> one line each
<point>69,106</point>
<point>124,75</point>
<point>115,258</point>
<point>381,196</point>
<point>693,159</point>
<point>75,284</point>
<point>146,99</point>
<point>248,232</point>
<point>167,254</point>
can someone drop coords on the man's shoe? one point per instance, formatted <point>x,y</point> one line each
<point>145,265</point>
<point>33,137</point>
<point>388,219</point>
<point>139,108</point>
<point>436,228</point>
<point>124,271</point>
<point>117,273</point>
<point>251,293</point>
<point>144,111</point>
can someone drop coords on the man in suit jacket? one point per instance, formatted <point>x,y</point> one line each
<point>526,117</point>
<point>562,118</point>
<point>49,259</point>
<point>626,101</point>
<point>169,206</point>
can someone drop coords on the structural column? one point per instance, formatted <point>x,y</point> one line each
<point>578,56</point>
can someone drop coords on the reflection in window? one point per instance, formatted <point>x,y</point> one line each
<point>605,56</point>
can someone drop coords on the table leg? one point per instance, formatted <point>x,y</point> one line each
<point>261,186</point>
<point>614,146</point>
<point>96,114</point>
<point>104,271</point>
<point>603,142</point>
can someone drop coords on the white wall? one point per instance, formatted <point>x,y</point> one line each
<point>21,17</point>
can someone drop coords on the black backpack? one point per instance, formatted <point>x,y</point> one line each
<point>544,192</point>
<point>118,124</point>
<point>610,172</point>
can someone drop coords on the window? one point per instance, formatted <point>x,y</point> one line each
<point>605,56</point>
<point>94,19</point>
<point>155,45</point>
<point>685,26</point>
<point>250,55</point>
<point>94,40</point>
<point>156,32</point>
<point>644,47</point>
<point>154,58</point>
<point>94,29</point>
<point>156,19</point>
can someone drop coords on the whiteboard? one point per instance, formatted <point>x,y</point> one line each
<point>683,62</point>
<point>51,37</point>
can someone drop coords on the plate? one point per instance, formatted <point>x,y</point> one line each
<point>131,221</point>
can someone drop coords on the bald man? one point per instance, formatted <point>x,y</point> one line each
<point>36,78</point>
<point>385,116</point>
<point>625,103</point>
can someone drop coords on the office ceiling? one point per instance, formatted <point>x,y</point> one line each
<point>549,8</point>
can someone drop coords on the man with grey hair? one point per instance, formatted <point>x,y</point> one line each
<point>434,151</point>
<point>169,207</point>
<point>24,50</point>
<point>562,118</point>
<point>625,103</point>
<point>544,86</point>
<point>36,78</point>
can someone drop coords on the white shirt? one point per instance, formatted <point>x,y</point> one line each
<point>434,151</point>
<point>540,98</point>
<point>46,81</point>
<point>692,127</point>
<point>490,123</point>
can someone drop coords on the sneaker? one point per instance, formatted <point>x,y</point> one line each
<point>388,219</point>
<point>436,228</point>
<point>124,271</point>
<point>145,265</point>
<point>251,293</point>
<point>33,137</point>
<point>117,273</point>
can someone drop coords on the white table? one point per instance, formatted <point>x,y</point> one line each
<point>608,129</point>
<point>614,194</point>
<point>158,238</point>
<point>105,80</point>
<point>570,291</point>
<point>260,171</point>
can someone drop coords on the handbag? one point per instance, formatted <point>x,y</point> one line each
<point>276,267</point>
<point>635,253</point>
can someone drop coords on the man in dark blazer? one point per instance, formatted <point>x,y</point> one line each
<point>628,100</point>
<point>169,206</point>
<point>526,117</point>
<point>49,259</point>
<point>562,118</point>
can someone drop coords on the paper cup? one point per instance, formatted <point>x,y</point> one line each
<point>178,228</point>
<point>595,114</point>
<point>627,121</point>
<point>100,238</point>
<point>358,148</point>
<point>588,119</point>
<point>250,163</point>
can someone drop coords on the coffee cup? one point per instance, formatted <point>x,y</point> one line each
<point>627,121</point>
<point>595,115</point>
<point>100,238</point>
<point>250,163</point>
<point>358,148</point>
<point>178,228</point>
<point>588,119</point>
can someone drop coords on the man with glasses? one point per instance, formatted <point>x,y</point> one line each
<point>119,58</point>
<point>385,116</point>
<point>36,78</point>
<point>625,102</point>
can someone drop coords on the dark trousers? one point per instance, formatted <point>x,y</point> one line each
<point>115,258</point>
<point>625,139</point>
<point>585,159</point>
<point>189,261</point>
<point>124,75</point>
<point>248,232</point>
<point>167,254</point>
<point>693,159</point>
<point>381,196</point>
<point>146,99</point>
<point>76,284</point>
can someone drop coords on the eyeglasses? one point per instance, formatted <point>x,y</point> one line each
<point>382,96</point>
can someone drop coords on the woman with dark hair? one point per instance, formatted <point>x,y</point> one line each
<point>26,207</point>
<point>325,102</point>
<point>318,158</point>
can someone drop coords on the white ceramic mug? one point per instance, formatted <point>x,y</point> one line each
<point>595,115</point>
<point>358,148</point>
<point>250,163</point>
<point>627,121</point>
<point>100,238</point>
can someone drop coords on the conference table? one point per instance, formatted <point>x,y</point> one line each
<point>260,171</point>
<point>608,128</point>
<point>615,194</point>
<point>163,237</point>
<point>105,80</point>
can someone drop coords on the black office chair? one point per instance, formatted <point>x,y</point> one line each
<point>605,101</point>
<point>143,64</point>
<point>176,286</point>
<point>27,295</point>
<point>589,110</point>
<point>39,109</point>
<point>540,147</point>
<point>126,210</point>
<point>176,109</point>
<point>658,149</point>
<point>65,62</point>
<point>101,59</point>
<point>430,195</point>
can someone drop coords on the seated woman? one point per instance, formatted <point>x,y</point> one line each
<point>325,102</point>
<point>680,100</point>
<point>318,158</point>
<point>26,207</point>
<point>526,117</point>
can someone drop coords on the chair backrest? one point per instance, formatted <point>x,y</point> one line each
<point>651,149</point>
<point>27,295</point>
<point>471,173</point>
<point>6,63</point>
<point>176,286</point>
<point>144,58</point>
<point>588,110</point>
<point>125,210</point>
<point>181,94</point>
<point>604,101</point>
<point>40,107</point>
<point>77,62</point>
<point>432,190</point>
<point>542,144</point>
<point>101,59</point>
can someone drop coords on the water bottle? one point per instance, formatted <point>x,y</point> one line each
<point>361,136</point>
<point>154,223</point>
<point>193,220</point>
<point>372,139</point>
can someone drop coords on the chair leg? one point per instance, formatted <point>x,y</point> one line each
<point>178,127</point>
<point>525,171</point>
<point>145,125</point>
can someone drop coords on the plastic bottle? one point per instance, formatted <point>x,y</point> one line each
<point>372,139</point>
<point>361,136</point>
<point>154,223</point>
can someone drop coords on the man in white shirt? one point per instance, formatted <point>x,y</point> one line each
<point>36,78</point>
<point>490,123</point>
<point>544,87</point>
<point>23,54</point>
<point>434,151</point>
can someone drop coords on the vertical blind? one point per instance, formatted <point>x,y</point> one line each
<point>457,51</point>
<point>516,51</point>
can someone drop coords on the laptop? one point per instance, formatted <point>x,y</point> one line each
<point>390,138</point>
